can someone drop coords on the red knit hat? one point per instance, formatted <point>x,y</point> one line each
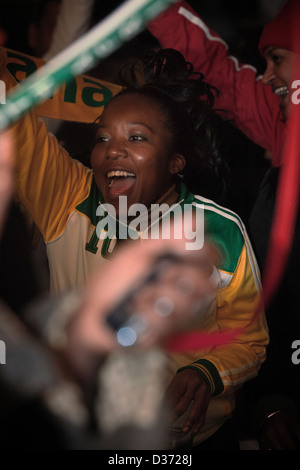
<point>284,30</point>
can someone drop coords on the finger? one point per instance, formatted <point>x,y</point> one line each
<point>180,395</point>
<point>182,406</point>
<point>174,392</point>
<point>196,417</point>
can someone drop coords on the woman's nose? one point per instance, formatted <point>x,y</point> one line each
<point>116,151</point>
<point>268,75</point>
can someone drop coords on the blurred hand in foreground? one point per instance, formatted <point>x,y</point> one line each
<point>156,309</point>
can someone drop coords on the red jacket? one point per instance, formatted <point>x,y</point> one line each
<point>252,105</point>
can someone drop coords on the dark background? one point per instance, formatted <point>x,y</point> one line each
<point>238,22</point>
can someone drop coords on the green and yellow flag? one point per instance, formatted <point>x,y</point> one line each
<point>81,100</point>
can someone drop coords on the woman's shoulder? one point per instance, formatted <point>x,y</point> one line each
<point>223,228</point>
<point>215,214</point>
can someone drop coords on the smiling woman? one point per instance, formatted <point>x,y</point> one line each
<point>132,156</point>
<point>278,74</point>
<point>150,133</point>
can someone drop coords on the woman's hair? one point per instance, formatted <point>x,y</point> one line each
<point>186,100</point>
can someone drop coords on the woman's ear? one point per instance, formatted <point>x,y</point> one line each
<point>177,163</point>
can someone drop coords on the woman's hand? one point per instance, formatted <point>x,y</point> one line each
<point>187,390</point>
<point>281,432</point>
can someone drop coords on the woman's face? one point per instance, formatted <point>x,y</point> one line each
<point>132,155</point>
<point>278,74</point>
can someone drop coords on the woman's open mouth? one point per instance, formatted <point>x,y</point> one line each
<point>120,181</point>
<point>281,91</point>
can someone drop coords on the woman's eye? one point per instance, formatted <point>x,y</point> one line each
<point>101,138</point>
<point>136,138</point>
<point>276,59</point>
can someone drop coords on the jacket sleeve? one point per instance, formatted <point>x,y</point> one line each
<point>228,367</point>
<point>251,104</point>
<point>48,183</point>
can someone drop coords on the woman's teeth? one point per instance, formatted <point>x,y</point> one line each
<point>115,173</point>
<point>281,91</point>
<point>118,174</point>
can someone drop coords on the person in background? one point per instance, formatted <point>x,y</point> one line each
<point>42,26</point>
<point>56,24</point>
